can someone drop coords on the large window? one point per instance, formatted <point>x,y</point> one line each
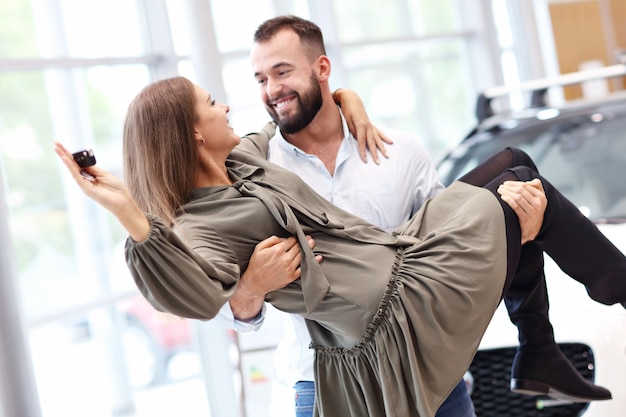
<point>68,70</point>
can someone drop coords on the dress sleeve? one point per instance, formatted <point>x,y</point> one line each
<point>257,143</point>
<point>190,278</point>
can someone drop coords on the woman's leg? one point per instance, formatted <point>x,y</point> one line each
<point>539,366</point>
<point>571,240</point>
<point>490,174</point>
<point>578,247</point>
<point>586,255</point>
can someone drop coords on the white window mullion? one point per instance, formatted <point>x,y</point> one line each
<point>158,37</point>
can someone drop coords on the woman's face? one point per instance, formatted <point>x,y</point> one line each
<point>212,123</point>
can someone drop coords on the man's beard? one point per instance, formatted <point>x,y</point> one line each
<point>308,105</point>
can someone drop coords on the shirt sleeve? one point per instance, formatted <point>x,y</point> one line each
<point>226,319</point>
<point>427,185</point>
<point>192,278</point>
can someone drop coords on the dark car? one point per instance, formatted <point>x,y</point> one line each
<point>580,147</point>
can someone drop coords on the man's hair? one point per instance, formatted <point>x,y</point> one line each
<point>309,33</point>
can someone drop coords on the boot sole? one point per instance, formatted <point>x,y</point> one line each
<point>530,387</point>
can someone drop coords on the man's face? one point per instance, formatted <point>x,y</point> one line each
<point>287,81</point>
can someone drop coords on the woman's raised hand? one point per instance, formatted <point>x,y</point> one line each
<point>108,191</point>
<point>368,136</point>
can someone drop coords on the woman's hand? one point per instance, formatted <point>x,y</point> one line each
<point>108,191</point>
<point>367,135</point>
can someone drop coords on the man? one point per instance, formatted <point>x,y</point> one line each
<point>314,142</point>
<point>292,70</point>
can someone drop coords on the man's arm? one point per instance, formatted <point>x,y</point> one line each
<point>274,264</point>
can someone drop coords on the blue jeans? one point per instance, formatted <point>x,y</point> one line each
<point>305,397</point>
<point>458,403</point>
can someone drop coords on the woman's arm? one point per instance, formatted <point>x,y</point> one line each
<point>367,135</point>
<point>108,191</point>
<point>191,278</point>
<point>257,143</point>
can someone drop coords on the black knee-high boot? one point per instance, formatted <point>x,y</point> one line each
<point>539,367</point>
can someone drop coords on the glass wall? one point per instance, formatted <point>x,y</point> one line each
<point>69,68</point>
<point>414,73</point>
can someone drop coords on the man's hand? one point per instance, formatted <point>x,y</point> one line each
<point>274,264</point>
<point>528,201</point>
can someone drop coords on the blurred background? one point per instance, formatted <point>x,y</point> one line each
<point>75,339</point>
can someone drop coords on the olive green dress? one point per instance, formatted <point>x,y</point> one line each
<point>395,319</point>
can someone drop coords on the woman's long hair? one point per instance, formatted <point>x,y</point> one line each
<point>160,152</point>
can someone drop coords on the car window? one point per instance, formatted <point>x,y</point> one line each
<point>583,156</point>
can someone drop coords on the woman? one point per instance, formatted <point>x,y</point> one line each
<point>395,345</point>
